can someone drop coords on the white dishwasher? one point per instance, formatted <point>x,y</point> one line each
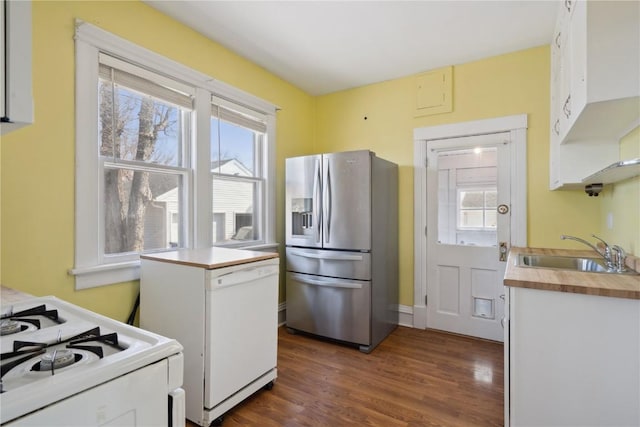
<point>222,306</point>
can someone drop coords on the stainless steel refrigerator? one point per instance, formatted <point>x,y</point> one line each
<point>342,246</point>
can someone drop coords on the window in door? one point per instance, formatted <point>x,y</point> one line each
<point>467,197</point>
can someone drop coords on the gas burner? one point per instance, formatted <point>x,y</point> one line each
<point>31,319</point>
<point>59,353</point>
<point>56,359</point>
<point>8,327</point>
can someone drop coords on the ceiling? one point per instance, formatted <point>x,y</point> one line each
<point>328,46</point>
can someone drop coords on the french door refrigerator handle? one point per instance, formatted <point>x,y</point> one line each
<point>317,188</point>
<point>328,284</point>
<point>327,204</point>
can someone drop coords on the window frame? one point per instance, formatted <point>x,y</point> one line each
<point>484,209</point>
<point>91,269</point>
<point>258,178</point>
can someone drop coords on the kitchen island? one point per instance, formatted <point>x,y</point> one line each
<point>572,345</point>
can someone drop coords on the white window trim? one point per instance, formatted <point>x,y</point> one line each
<point>89,269</point>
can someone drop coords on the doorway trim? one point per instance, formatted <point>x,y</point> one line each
<point>516,125</point>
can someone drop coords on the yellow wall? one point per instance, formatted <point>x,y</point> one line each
<point>622,201</point>
<point>505,85</point>
<point>38,161</point>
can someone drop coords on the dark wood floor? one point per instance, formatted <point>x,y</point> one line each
<point>413,378</point>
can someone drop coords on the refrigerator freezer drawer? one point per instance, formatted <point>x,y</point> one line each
<point>352,265</point>
<point>332,308</point>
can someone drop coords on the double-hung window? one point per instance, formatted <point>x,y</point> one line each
<point>238,137</point>
<point>144,128</point>
<point>166,158</point>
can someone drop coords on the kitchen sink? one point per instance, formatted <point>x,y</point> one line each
<point>592,265</point>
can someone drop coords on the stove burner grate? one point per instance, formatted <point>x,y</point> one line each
<point>60,357</point>
<point>40,310</point>
<point>13,323</point>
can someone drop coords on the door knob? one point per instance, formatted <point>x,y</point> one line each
<point>503,251</point>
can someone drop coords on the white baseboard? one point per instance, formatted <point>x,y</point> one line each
<point>405,313</point>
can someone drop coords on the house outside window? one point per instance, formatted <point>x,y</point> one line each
<point>182,160</point>
<point>477,208</point>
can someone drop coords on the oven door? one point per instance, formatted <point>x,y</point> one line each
<point>139,398</point>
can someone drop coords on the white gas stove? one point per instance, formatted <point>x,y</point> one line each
<point>64,365</point>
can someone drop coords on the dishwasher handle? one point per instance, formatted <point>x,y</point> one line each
<point>329,283</point>
<point>240,277</point>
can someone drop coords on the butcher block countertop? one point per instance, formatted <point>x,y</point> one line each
<point>602,284</point>
<point>210,258</point>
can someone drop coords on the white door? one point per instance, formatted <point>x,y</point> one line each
<point>468,223</point>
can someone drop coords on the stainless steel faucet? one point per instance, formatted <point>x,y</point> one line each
<point>620,258</point>
<point>613,264</point>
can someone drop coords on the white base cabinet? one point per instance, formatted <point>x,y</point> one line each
<point>572,360</point>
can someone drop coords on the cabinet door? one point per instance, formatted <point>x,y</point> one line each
<point>555,94</point>
<point>16,95</point>
<point>565,77</point>
<point>561,353</point>
<point>577,58</point>
<point>556,97</point>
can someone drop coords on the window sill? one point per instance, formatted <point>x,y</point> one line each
<point>108,274</point>
<point>105,274</point>
<point>267,247</point>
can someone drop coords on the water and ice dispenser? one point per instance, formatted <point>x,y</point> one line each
<point>301,216</point>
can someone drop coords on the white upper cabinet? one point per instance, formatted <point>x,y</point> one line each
<point>595,86</point>
<point>16,98</point>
